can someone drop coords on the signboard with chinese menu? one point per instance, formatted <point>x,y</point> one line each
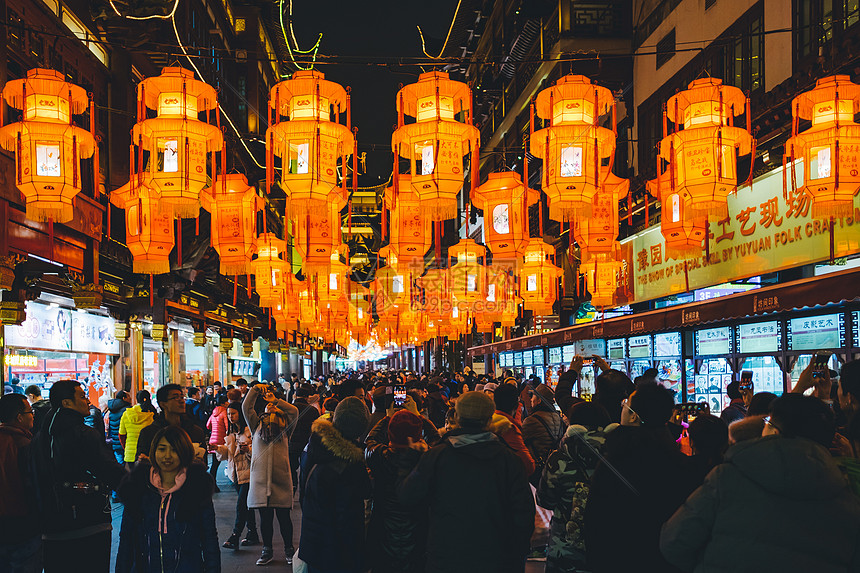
<point>763,233</point>
<point>588,348</point>
<point>667,344</point>
<point>639,346</point>
<point>555,355</point>
<point>759,337</point>
<point>714,341</point>
<point>816,332</point>
<point>616,349</point>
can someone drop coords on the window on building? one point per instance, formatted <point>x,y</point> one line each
<point>817,22</point>
<point>14,30</point>
<point>666,48</point>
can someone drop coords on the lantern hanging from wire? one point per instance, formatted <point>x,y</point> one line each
<point>409,223</point>
<point>468,276</point>
<point>48,147</point>
<point>331,285</point>
<point>830,147</point>
<point>703,155</point>
<point>438,141</point>
<point>312,144</point>
<point>505,200</point>
<point>436,284</point>
<point>270,269</point>
<point>149,231</point>
<point>232,205</point>
<point>683,233</point>
<point>598,233</point>
<point>317,238</point>
<point>574,145</point>
<point>601,279</point>
<point>392,285</point>
<point>539,278</point>
<point>502,302</point>
<point>172,147</point>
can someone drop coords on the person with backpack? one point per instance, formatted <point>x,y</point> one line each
<point>543,429</point>
<point>116,408</point>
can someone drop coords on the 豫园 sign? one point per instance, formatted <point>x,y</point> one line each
<point>761,234</point>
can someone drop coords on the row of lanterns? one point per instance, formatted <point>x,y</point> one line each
<point>309,142</point>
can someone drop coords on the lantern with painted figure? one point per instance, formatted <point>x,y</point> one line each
<point>176,141</point>
<point>392,285</point>
<point>504,200</point>
<point>830,147</point>
<point>574,146</point>
<point>270,269</point>
<point>232,205</point>
<point>539,278</point>
<point>311,144</point>
<point>703,155</point>
<point>149,230</point>
<point>439,140</point>
<point>48,147</point>
<point>468,275</point>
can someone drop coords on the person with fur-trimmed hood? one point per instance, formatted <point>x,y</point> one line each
<point>334,486</point>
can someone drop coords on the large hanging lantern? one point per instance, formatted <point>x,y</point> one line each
<point>312,144</point>
<point>176,141</point>
<point>828,148</point>
<point>468,275</point>
<point>270,269</point>
<point>48,148</point>
<point>149,231</point>
<point>539,278</point>
<point>683,233</point>
<point>410,224</point>
<point>233,206</point>
<point>392,285</point>
<point>597,234</point>
<point>601,279</point>
<point>574,146</point>
<point>437,302</point>
<point>502,302</point>
<point>505,200</point>
<point>438,141</point>
<point>317,238</point>
<point>702,156</point>
<point>331,285</point>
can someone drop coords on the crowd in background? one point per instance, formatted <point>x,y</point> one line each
<point>442,472</point>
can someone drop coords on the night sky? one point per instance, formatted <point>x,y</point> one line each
<point>374,30</point>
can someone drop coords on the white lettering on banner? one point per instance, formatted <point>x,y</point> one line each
<point>53,328</point>
<point>93,333</point>
<point>763,233</point>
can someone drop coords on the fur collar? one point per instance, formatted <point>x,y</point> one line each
<point>500,423</point>
<point>335,442</point>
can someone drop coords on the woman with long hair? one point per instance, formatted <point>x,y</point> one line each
<point>237,451</point>
<point>168,523</point>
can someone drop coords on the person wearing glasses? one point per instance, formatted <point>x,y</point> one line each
<point>21,545</point>
<point>778,503</point>
<point>171,400</point>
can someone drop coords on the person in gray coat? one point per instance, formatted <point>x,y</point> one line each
<point>777,503</point>
<point>271,485</point>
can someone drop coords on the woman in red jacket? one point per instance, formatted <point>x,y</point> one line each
<point>217,426</point>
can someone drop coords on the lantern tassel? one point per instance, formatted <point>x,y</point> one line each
<point>235,289</point>
<point>832,241</point>
<point>179,242</point>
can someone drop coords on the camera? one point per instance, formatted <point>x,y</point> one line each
<point>399,395</point>
<point>819,365</point>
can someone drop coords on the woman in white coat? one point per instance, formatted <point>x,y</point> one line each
<point>271,485</point>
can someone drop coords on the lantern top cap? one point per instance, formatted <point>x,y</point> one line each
<point>573,87</point>
<point>616,185</point>
<point>428,85</point>
<point>174,79</point>
<point>45,82</point>
<point>467,248</point>
<point>270,241</point>
<point>706,90</point>
<point>537,244</point>
<point>508,183</point>
<point>306,83</point>
<point>826,90</point>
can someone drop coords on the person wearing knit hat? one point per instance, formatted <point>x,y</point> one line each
<point>481,508</point>
<point>333,487</point>
<point>397,533</point>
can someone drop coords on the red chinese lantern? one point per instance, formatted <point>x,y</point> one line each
<point>504,200</point>
<point>597,234</point>
<point>149,231</point>
<point>539,278</point>
<point>438,141</point>
<point>437,293</point>
<point>830,147</point>
<point>317,238</point>
<point>175,140</point>
<point>392,285</point>
<point>702,156</point>
<point>270,269</point>
<point>601,279</point>
<point>683,233</point>
<point>48,148</point>
<point>468,275</point>
<point>410,234</point>
<point>311,144</point>
<point>233,206</point>
<point>574,146</point>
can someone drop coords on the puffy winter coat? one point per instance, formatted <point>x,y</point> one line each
<point>510,433</point>
<point>133,421</point>
<point>775,504</point>
<point>542,432</point>
<point>116,408</point>
<point>217,425</point>
<point>238,468</point>
<point>481,507</point>
<point>334,485</point>
<point>397,534</point>
<point>175,532</point>
<point>271,482</point>
<point>18,519</point>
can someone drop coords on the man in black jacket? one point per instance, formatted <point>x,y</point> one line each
<point>172,403</point>
<point>74,471</point>
<point>481,507</point>
<point>302,430</point>
<point>116,408</point>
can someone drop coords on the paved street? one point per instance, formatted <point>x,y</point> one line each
<point>244,559</point>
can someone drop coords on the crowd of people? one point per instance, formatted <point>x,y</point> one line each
<point>445,472</point>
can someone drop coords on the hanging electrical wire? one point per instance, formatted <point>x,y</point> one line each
<point>314,49</point>
<point>448,37</point>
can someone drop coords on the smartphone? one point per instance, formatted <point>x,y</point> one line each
<point>746,380</point>
<point>819,365</point>
<point>400,395</point>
